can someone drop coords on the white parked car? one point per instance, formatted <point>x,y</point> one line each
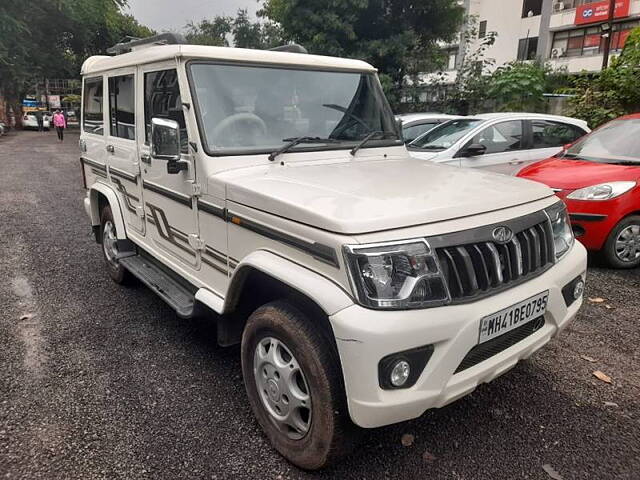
<point>30,120</point>
<point>271,192</point>
<point>416,124</point>
<point>500,142</point>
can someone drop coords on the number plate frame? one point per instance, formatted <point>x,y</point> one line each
<point>507,319</point>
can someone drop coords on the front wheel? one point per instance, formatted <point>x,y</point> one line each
<point>622,249</point>
<point>295,388</point>
<point>110,251</point>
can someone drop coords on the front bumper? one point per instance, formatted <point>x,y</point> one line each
<point>365,336</point>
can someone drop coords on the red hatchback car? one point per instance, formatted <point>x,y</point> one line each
<point>598,177</point>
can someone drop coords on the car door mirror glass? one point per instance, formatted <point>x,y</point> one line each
<point>165,139</point>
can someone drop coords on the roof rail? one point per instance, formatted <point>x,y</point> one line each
<point>291,48</point>
<point>130,44</point>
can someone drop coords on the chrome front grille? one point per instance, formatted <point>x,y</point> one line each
<point>478,269</point>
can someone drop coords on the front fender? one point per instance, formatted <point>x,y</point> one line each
<point>326,294</point>
<point>112,198</point>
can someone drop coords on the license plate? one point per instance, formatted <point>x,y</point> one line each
<point>501,322</point>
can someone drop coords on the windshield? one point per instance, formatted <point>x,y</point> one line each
<point>244,109</point>
<point>617,141</point>
<point>445,135</point>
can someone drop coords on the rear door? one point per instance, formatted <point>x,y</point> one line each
<point>504,142</point>
<point>121,147</point>
<point>93,132</point>
<point>549,136</point>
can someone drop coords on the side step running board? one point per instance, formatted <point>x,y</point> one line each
<point>178,296</point>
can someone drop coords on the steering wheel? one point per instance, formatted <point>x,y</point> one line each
<point>235,119</point>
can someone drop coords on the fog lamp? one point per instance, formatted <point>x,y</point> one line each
<point>400,373</point>
<point>578,289</point>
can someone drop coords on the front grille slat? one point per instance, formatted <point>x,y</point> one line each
<point>477,269</point>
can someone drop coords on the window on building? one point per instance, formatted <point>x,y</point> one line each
<point>527,48</point>
<point>452,60</point>
<point>548,134</point>
<point>92,119</point>
<point>482,29</point>
<point>122,107</point>
<point>162,100</point>
<point>589,41</point>
<point>531,8</point>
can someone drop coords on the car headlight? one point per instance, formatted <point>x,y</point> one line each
<point>561,228</point>
<point>602,191</point>
<point>399,275</point>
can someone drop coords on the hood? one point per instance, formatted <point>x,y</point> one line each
<point>573,174</point>
<point>361,196</point>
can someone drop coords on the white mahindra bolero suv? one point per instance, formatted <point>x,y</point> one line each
<point>272,192</point>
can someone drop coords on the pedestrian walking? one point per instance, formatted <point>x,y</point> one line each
<point>40,120</point>
<point>60,123</point>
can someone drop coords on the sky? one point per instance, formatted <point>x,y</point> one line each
<point>174,14</point>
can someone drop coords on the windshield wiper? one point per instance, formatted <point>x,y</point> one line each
<point>369,136</point>
<point>292,142</point>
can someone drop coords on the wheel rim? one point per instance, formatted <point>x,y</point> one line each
<point>628,244</point>
<point>282,387</point>
<point>110,243</point>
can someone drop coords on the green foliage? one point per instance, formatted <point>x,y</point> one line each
<point>245,33</point>
<point>612,92</point>
<point>519,86</point>
<point>399,37</point>
<point>210,32</point>
<point>51,38</point>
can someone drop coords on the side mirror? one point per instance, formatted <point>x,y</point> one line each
<point>165,144</point>
<point>473,150</point>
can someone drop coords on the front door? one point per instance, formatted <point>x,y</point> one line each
<point>170,216</point>
<point>122,149</point>
<point>504,144</point>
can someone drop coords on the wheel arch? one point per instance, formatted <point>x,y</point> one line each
<point>263,277</point>
<point>99,195</point>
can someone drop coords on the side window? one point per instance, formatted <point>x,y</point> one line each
<point>548,134</point>
<point>162,100</point>
<point>502,137</point>
<point>414,131</point>
<point>122,107</point>
<point>93,121</point>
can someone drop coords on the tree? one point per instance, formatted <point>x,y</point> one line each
<point>210,32</point>
<point>399,37</point>
<point>470,88</point>
<point>519,86</point>
<point>259,35</point>
<point>51,38</point>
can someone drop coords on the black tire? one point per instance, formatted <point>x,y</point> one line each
<point>331,433</point>
<point>609,249</point>
<point>117,272</point>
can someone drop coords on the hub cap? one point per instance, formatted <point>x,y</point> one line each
<point>109,243</point>
<point>282,387</point>
<point>628,244</point>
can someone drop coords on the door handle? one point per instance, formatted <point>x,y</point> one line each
<point>516,162</point>
<point>145,158</point>
<point>110,148</point>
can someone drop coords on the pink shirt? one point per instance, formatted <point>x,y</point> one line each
<point>59,121</point>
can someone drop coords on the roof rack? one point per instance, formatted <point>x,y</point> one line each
<point>291,48</point>
<point>129,44</point>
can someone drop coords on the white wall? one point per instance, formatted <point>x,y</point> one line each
<point>505,17</point>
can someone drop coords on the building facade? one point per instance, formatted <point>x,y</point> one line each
<point>567,33</point>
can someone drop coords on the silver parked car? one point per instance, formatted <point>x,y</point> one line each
<point>501,142</point>
<point>416,124</point>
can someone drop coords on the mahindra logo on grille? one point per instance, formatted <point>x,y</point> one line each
<point>502,234</point>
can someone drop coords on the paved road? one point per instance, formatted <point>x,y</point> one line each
<point>103,382</point>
